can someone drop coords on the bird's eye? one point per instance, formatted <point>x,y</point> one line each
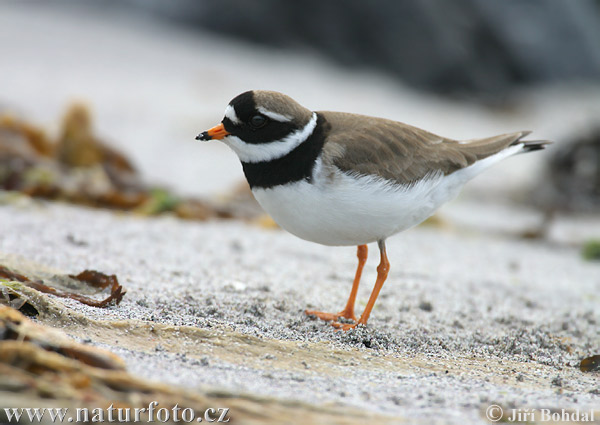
<point>258,121</point>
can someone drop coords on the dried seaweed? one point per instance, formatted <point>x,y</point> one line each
<point>79,167</point>
<point>90,277</point>
<point>590,364</point>
<point>12,299</point>
<point>12,328</point>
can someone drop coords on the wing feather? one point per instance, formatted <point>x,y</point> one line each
<point>399,152</point>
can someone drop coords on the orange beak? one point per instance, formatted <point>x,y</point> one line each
<point>215,133</point>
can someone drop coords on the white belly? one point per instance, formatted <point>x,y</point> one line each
<point>347,210</point>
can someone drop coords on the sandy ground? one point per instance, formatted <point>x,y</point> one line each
<point>463,322</point>
<point>472,315</point>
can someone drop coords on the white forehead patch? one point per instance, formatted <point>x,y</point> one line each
<point>230,113</point>
<point>261,152</point>
<point>274,115</point>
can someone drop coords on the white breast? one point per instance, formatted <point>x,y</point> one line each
<point>348,210</point>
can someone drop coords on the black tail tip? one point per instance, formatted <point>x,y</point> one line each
<point>535,145</point>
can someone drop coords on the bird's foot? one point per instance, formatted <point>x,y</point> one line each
<point>331,317</point>
<point>344,326</point>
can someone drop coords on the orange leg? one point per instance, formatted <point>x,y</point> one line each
<point>382,273</point>
<point>348,311</point>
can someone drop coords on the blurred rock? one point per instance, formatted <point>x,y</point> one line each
<point>571,180</point>
<point>465,46</point>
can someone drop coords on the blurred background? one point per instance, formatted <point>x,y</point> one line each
<point>152,74</point>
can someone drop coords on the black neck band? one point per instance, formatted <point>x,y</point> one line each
<point>295,166</point>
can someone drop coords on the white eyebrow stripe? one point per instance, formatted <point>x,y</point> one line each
<point>231,115</point>
<point>274,115</point>
<point>260,152</point>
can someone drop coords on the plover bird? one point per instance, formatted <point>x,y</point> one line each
<point>339,179</point>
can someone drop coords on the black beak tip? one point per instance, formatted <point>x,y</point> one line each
<point>203,136</point>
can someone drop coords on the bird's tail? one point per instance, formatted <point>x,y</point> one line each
<point>493,149</point>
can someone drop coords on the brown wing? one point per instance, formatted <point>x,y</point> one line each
<point>400,152</point>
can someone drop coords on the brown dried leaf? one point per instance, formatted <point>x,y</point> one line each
<point>35,136</point>
<point>77,146</point>
<point>194,209</point>
<point>90,277</point>
<point>590,364</point>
